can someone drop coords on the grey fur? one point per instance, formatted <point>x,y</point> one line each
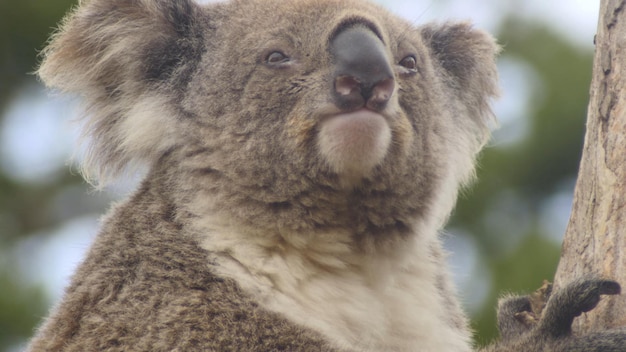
<point>552,331</point>
<point>156,293</point>
<point>231,140</point>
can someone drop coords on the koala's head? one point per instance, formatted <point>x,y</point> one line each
<point>302,114</point>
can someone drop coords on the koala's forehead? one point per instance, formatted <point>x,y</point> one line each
<point>305,21</point>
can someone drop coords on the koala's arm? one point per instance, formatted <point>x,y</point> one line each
<point>543,321</point>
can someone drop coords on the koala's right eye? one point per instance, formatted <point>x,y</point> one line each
<point>409,64</point>
<point>276,58</point>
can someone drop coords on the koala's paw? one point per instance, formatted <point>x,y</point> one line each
<point>571,301</point>
<point>520,314</point>
<point>542,321</point>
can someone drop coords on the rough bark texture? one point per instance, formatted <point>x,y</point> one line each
<point>595,241</point>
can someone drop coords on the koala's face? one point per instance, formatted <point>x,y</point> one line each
<point>316,110</point>
<point>334,90</point>
<point>317,90</point>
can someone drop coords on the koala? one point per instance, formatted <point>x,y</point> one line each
<point>543,321</point>
<point>301,158</point>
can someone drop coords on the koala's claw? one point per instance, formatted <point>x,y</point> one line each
<point>571,301</point>
<point>542,321</point>
<point>584,295</point>
<point>609,287</point>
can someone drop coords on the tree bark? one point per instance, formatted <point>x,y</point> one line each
<point>595,240</point>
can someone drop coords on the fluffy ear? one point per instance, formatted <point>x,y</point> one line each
<point>123,57</point>
<point>468,58</point>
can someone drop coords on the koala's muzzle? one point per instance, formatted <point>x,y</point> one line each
<point>363,75</point>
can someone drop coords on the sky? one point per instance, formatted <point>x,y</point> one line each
<point>35,146</point>
<point>575,19</point>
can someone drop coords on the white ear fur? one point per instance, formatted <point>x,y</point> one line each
<point>120,57</point>
<point>145,131</point>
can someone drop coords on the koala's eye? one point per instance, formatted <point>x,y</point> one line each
<point>276,58</point>
<point>409,63</point>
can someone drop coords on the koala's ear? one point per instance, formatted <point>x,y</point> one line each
<point>121,57</point>
<point>467,56</point>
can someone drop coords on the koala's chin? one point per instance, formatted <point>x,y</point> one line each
<point>354,143</point>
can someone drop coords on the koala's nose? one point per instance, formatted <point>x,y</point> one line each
<point>363,76</point>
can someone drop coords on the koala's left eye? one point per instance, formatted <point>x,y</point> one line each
<point>277,58</point>
<point>409,63</point>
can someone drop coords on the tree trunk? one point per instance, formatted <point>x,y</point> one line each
<point>595,240</point>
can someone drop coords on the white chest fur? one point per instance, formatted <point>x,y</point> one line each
<point>381,302</point>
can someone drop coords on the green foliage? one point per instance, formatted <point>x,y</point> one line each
<point>21,308</point>
<point>24,28</point>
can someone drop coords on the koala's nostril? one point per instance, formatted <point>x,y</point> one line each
<point>346,85</point>
<point>381,93</point>
<point>363,74</point>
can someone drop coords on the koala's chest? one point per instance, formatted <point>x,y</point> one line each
<point>385,308</point>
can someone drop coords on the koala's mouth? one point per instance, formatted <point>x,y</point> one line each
<point>353,143</point>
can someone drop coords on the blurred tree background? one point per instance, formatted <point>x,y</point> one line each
<point>24,207</point>
<point>506,230</point>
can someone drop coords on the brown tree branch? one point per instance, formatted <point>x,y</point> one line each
<point>595,240</point>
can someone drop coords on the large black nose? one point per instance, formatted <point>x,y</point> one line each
<point>363,76</point>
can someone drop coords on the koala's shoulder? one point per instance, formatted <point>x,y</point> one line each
<point>145,285</point>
